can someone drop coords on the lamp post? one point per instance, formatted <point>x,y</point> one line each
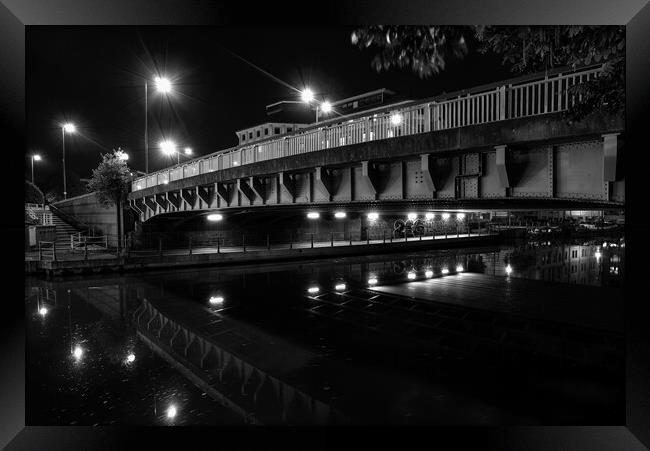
<point>66,128</point>
<point>169,148</point>
<point>307,96</point>
<point>163,85</point>
<point>34,158</point>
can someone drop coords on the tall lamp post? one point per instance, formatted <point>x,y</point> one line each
<point>308,97</point>
<point>34,158</point>
<point>163,85</point>
<point>169,148</point>
<point>66,128</point>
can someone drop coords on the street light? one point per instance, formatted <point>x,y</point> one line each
<point>34,158</point>
<point>66,128</point>
<point>307,95</point>
<point>164,86</point>
<point>188,151</point>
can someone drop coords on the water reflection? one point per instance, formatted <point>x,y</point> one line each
<point>318,342</point>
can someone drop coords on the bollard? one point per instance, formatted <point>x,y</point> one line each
<point>457,232</point>
<point>268,242</point>
<point>384,235</point>
<point>445,233</point>
<point>85,248</point>
<point>350,238</point>
<point>332,238</point>
<point>190,244</point>
<point>312,240</point>
<point>406,238</point>
<point>54,250</point>
<point>160,246</point>
<point>291,241</point>
<point>367,237</point>
<point>391,238</point>
<point>469,231</point>
<point>243,242</point>
<point>218,245</point>
<point>40,252</point>
<point>420,237</point>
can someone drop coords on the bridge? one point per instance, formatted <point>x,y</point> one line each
<point>501,146</point>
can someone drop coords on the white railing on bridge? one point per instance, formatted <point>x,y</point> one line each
<point>546,94</point>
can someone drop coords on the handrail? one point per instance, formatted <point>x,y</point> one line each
<point>70,219</point>
<point>530,95</point>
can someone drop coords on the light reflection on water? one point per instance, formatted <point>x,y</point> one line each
<point>84,352</point>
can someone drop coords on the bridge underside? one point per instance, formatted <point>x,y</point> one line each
<point>549,166</point>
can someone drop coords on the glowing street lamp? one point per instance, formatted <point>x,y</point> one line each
<point>508,269</point>
<point>168,147</point>
<point>428,274</point>
<point>164,86</point>
<point>412,216</point>
<point>411,275</point>
<point>326,107</point>
<point>429,216</point>
<point>66,128</point>
<point>396,119</point>
<point>188,151</point>
<point>373,216</point>
<point>307,95</point>
<point>445,216</point>
<point>171,412</point>
<point>216,300</point>
<point>215,217</point>
<point>42,311</point>
<point>35,158</point>
<point>130,358</point>
<point>339,214</point>
<point>313,215</point>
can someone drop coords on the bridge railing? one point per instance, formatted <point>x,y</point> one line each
<point>546,94</point>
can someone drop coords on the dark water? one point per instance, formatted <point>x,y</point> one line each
<point>311,342</point>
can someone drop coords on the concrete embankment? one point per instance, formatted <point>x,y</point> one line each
<point>149,262</point>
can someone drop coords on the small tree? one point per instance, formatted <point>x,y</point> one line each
<point>110,182</point>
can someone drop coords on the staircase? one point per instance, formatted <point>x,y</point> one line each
<point>63,231</point>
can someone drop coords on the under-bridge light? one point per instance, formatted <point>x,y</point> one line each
<point>373,216</point>
<point>396,119</point>
<point>429,216</point>
<point>445,270</point>
<point>411,275</point>
<point>171,411</point>
<point>428,274</point>
<point>339,214</point>
<point>313,215</point>
<point>372,281</point>
<point>313,290</point>
<point>216,300</point>
<point>215,217</point>
<point>445,216</point>
<point>340,287</point>
<point>508,269</point>
<point>460,216</point>
<point>460,268</point>
<point>412,216</point>
<point>42,311</point>
<point>130,358</point>
<point>78,352</point>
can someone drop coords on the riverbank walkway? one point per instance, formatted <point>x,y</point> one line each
<point>66,261</point>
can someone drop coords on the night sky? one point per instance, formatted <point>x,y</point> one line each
<point>94,77</point>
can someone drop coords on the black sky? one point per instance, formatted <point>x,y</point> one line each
<point>94,77</point>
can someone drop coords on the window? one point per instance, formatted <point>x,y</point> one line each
<point>250,135</point>
<point>266,131</point>
<point>258,133</point>
<point>289,129</point>
<point>243,137</point>
<point>276,130</point>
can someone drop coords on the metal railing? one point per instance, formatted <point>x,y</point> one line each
<point>178,243</point>
<point>40,213</point>
<point>547,93</point>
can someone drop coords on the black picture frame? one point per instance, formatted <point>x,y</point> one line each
<point>16,15</point>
